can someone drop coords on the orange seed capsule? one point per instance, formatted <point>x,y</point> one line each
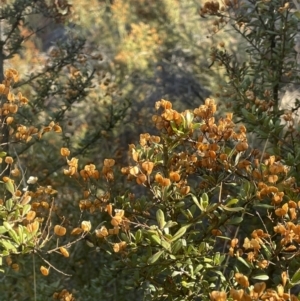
<point>158,178</point>
<point>148,166</point>
<point>9,160</point>
<point>8,260</point>
<point>165,182</point>
<point>44,271</point>
<point>33,227</point>
<point>60,230</point>
<point>184,190</point>
<point>65,152</point>
<point>15,267</point>
<point>64,252</point>
<point>141,179</point>
<point>212,154</point>
<point>9,120</point>
<point>216,232</point>
<point>102,232</point>
<point>242,146</point>
<point>15,172</point>
<point>6,179</point>
<point>174,176</point>
<point>109,209</point>
<point>86,194</point>
<point>86,226</point>
<point>116,220</point>
<point>76,231</point>
<point>30,215</point>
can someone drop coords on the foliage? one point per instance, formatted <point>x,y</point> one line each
<point>207,208</point>
<point>186,233</point>
<point>36,202</point>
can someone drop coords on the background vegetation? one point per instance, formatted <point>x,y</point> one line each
<point>109,193</point>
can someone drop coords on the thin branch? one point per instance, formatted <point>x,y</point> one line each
<point>69,244</point>
<point>52,266</point>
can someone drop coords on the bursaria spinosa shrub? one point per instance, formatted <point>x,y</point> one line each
<point>27,209</point>
<point>205,216</point>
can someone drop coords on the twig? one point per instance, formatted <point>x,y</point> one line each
<point>69,243</point>
<point>52,266</point>
<point>34,276</point>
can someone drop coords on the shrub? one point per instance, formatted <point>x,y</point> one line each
<point>212,216</point>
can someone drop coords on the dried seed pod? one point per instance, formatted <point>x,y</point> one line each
<point>65,152</point>
<point>15,267</point>
<point>30,215</point>
<point>44,270</point>
<point>64,251</point>
<point>86,226</point>
<point>60,230</point>
<point>76,231</point>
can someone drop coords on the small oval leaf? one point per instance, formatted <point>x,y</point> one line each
<point>179,233</point>
<point>160,217</point>
<point>155,257</point>
<point>296,278</point>
<point>262,277</point>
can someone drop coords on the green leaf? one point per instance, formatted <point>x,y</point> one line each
<point>156,239</point>
<point>21,234</point>
<point>180,204</point>
<point>7,225</point>
<point>12,233</point>
<point>217,258</point>
<point>262,277</point>
<point>296,278</point>
<point>166,245</point>
<point>175,273</point>
<point>2,154</point>
<point>9,204</point>
<point>8,246</point>
<point>235,221</point>
<point>160,217</point>
<point>172,256</point>
<point>2,230</point>
<point>198,268</point>
<point>224,237</point>
<point>250,117</point>
<point>176,246</point>
<point>170,224</point>
<point>179,233</point>
<point>26,209</point>
<point>244,262</point>
<point>232,202</point>
<point>160,241</point>
<point>222,277</point>
<point>138,235</point>
<point>266,206</point>
<point>267,251</point>
<point>195,200</point>
<point>205,199</point>
<point>125,237</point>
<point>10,186</point>
<point>187,284</point>
<point>196,126</point>
<point>174,128</point>
<point>189,117</point>
<point>232,209</point>
<point>189,214</point>
<point>202,247</point>
<point>297,14</point>
<point>155,257</point>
